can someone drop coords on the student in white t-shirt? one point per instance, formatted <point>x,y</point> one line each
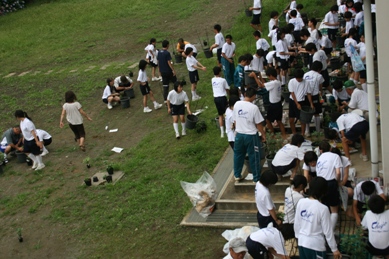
<point>283,54</point>
<point>319,55</point>
<point>260,43</point>
<point>45,138</point>
<point>332,23</point>
<point>350,44</point>
<point>270,59</point>
<point>266,209</point>
<point>193,65</point>
<point>328,166</point>
<point>340,95</point>
<point>309,166</point>
<point>325,43</point>
<point>292,197</point>
<point>237,249</point>
<point>359,17</point>
<point>151,58</point>
<point>344,171</point>
<point>228,54</point>
<point>358,98</point>
<point>273,20</point>
<point>220,90</point>
<point>145,88</point>
<point>349,24</point>
<point>230,126</point>
<point>362,53</point>
<point>298,25</point>
<point>257,11</point>
<point>109,95</point>
<point>289,157</point>
<point>312,224</point>
<point>362,193</point>
<point>219,42</point>
<point>189,45</point>
<point>275,107</point>
<point>273,36</point>
<point>258,61</point>
<point>176,102</point>
<point>376,221</point>
<point>266,243</point>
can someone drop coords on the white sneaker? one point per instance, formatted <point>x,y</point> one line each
<point>183,133</point>
<point>159,78</point>
<point>307,134</point>
<point>45,152</point>
<point>364,157</point>
<point>222,135</point>
<point>177,135</point>
<point>40,166</point>
<point>196,98</point>
<point>157,106</point>
<point>109,105</point>
<point>147,110</point>
<point>34,165</point>
<point>154,79</point>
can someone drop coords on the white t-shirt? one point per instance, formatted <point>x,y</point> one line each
<point>358,19</point>
<point>177,98</point>
<point>191,46</point>
<point>228,49</point>
<point>293,5</point>
<point>229,120</point>
<point>311,224</point>
<point>331,18</point>
<point>273,36</point>
<point>153,57</point>
<point>272,22</point>
<point>340,95</point>
<point>270,237</point>
<point>270,57</point>
<point>219,40</point>
<point>142,76</point>
<point>345,162</point>
<point>360,196</point>
<point>274,89</point>
<point>347,45</point>
<point>190,62</point>
<point>327,164</point>
<point>282,46</point>
<point>309,168</point>
<point>314,80</point>
<point>312,40</point>
<point>262,44</point>
<point>263,200</point>
<point>321,56</point>
<point>298,23</point>
<point>246,117</point>
<point>42,134</point>
<point>359,100</point>
<point>256,64</point>
<point>348,120</point>
<point>378,226</point>
<point>300,89</point>
<point>349,25</point>
<point>27,127</point>
<point>325,42</point>
<point>291,199</point>
<point>107,92</point>
<point>314,34</point>
<point>117,81</point>
<point>219,86</point>
<point>289,39</point>
<point>287,154</point>
<point>257,4</point>
<point>73,115</point>
<point>362,51</point>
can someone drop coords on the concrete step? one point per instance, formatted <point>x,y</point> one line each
<point>248,186</point>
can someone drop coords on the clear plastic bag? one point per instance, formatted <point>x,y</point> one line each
<point>202,194</point>
<point>243,232</point>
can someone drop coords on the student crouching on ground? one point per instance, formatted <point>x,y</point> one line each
<point>109,96</point>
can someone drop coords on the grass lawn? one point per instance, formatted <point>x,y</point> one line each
<point>139,216</point>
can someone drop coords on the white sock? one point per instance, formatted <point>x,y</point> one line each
<point>33,157</point>
<point>317,123</point>
<point>194,94</point>
<point>334,219</point>
<point>278,78</point>
<point>222,130</point>
<point>364,87</point>
<point>183,126</point>
<point>45,149</point>
<point>282,80</point>
<point>175,126</point>
<point>307,129</point>
<point>39,159</point>
<point>155,103</point>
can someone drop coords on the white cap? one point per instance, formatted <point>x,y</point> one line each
<point>238,245</point>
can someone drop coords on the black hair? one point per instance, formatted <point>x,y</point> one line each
<point>337,84</point>
<point>271,72</point>
<point>319,34</point>
<point>180,40</point>
<point>152,40</point>
<point>305,32</point>
<point>260,52</point>
<point>16,126</point>
<point>299,73</point>
<point>217,27</point>
<point>318,187</point>
<point>216,70</point>
<point>165,44</point>
<point>111,87</point>
<point>279,33</point>
<point>332,134</point>
<point>299,6</point>
<point>336,150</point>
<point>249,57</point>
<point>297,140</point>
<point>317,66</point>
<point>358,7</point>
<point>257,34</point>
<point>293,13</point>
<point>21,114</point>
<point>348,15</point>
<point>250,92</point>
<point>376,204</point>
<point>334,8</point>
<point>290,27</point>
<point>70,97</point>
<point>324,146</point>
<point>310,46</point>
<point>109,80</point>
<point>368,187</point>
<point>274,27</point>
<point>352,32</point>
<point>268,177</point>
<point>188,51</point>
<point>229,37</point>
<point>234,91</point>
<point>142,65</point>
<point>313,21</point>
<point>310,157</point>
<point>233,99</point>
<point>176,85</point>
<point>299,180</point>
<point>274,14</point>
<point>242,58</point>
<point>334,116</point>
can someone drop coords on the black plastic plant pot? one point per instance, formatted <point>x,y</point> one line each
<point>20,239</point>
<point>108,178</point>
<point>95,179</point>
<point>110,170</point>
<point>29,162</point>
<point>88,165</point>
<point>205,43</point>
<point>131,74</point>
<point>88,182</point>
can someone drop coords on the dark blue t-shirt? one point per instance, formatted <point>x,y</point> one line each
<point>163,58</point>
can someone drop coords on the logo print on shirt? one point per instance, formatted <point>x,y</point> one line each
<point>376,225</point>
<point>305,215</point>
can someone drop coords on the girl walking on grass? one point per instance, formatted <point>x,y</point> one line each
<point>31,144</point>
<point>73,112</point>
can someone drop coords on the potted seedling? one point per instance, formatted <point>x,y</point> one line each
<point>110,170</point>
<point>95,179</point>
<point>316,137</point>
<point>87,161</point>
<point>20,237</point>
<point>88,181</point>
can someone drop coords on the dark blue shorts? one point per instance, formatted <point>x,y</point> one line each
<point>331,198</point>
<point>358,130</point>
<point>177,109</point>
<point>194,76</point>
<point>256,19</point>
<point>274,112</point>
<point>29,146</point>
<point>221,104</point>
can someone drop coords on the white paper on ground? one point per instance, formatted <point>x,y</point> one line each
<point>117,149</point>
<point>113,130</point>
